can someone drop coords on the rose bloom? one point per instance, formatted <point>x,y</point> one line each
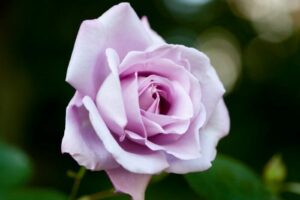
<point>141,106</point>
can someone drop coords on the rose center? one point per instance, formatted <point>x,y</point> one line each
<point>153,95</point>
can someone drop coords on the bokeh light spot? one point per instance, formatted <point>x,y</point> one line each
<point>223,50</point>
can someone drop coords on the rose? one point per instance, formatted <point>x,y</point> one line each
<point>141,106</point>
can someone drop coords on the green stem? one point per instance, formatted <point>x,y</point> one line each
<point>100,195</point>
<point>76,184</point>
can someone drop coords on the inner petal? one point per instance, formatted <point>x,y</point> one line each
<point>149,99</point>
<point>154,107</point>
<point>164,106</point>
<point>154,92</point>
<point>130,95</point>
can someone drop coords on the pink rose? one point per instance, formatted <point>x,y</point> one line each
<point>141,106</point>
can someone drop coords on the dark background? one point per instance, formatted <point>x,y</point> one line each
<point>258,61</point>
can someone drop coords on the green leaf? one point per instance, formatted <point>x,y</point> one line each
<point>36,194</point>
<point>228,179</point>
<point>15,168</point>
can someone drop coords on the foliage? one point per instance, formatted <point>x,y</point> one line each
<point>15,171</point>
<point>228,179</point>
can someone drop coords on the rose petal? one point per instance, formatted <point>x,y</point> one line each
<point>154,107</point>
<point>129,183</point>
<point>180,150</point>
<point>186,147</point>
<point>121,22</point>
<point>211,86</point>
<point>109,98</point>
<point>113,29</point>
<point>167,61</point>
<point>177,120</point>
<point>145,93</point>
<point>172,92</point>
<point>87,68</point>
<point>182,106</point>
<point>153,128</point>
<point>81,141</point>
<point>217,128</point>
<point>113,60</point>
<point>131,102</point>
<point>171,52</point>
<point>134,162</point>
<point>146,62</point>
<point>167,122</point>
<point>219,120</point>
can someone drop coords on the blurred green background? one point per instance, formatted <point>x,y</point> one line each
<point>253,44</point>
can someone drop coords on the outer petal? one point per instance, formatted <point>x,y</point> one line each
<point>137,163</point>
<point>130,183</point>
<point>114,29</point>
<point>126,31</point>
<point>81,141</point>
<point>87,68</point>
<point>217,127</point>
<point>109,97</point>
<point>169,51</point>
<point>211,87</point>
